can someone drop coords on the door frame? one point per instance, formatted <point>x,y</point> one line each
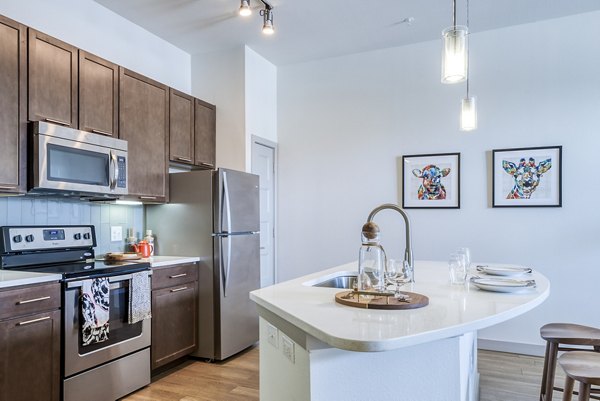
<point>273,145</point>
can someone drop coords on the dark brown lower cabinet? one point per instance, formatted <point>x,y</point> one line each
<point>174,313</point>
<point>30,357</point>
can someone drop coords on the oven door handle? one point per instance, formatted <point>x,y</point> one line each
<point>111,279</point>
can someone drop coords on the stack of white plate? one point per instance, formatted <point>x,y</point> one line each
<point>503,279</point>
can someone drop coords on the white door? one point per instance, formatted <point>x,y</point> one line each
<point>263,164</point>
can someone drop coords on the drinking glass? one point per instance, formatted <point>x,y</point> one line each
<point>457,268</point>
<point>467,255</point>
<point>394,267</point>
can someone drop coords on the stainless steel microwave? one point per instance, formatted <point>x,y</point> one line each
<point>70,162</point>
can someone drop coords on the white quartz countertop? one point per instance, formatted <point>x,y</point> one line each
<point>452,310</point>
<point>13,278</point>
<point>158,261</point>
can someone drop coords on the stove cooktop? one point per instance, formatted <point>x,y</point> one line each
<point>96,268</point>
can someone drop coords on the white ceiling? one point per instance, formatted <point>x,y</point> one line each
<point>313,29</point>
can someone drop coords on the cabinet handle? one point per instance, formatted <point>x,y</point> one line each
<point>178,275</point>
<point>207,164</point>
<point>32,300</point>
<point>178,289</point>
<point>7,187</point>
<point>33,321</point>
<point>97,131</point>
<point>184,159</point>
<point>147,197</point>
<point>52,120</point>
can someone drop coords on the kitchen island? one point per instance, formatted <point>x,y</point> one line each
<point>312,348</point>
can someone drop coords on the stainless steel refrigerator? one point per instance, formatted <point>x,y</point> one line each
<point>215,215</point>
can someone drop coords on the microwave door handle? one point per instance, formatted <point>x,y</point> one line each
<point>113,171</point>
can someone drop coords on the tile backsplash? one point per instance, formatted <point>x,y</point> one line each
<point>35,211</point>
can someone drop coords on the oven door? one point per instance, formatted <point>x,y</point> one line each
<point>124,338</point>
<point>79,166</point>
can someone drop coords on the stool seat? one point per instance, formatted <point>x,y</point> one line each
<point>572,334</point>
<point>557,335</point>
<point>581,366</point>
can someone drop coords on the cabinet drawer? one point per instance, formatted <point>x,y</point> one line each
<point>30,299</point>
<point>168,276</point>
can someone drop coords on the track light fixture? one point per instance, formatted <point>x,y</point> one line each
<point>245,9</point>
<point>267,14</point>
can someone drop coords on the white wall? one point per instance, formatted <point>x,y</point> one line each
<point>94,28</point>
<point>261,96</point>
<point>218,78</point>
<point>345,122</point>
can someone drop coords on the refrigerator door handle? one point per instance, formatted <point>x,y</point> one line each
<point>226,267</point>
<point>227,208</point>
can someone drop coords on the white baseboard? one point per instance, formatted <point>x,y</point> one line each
<point>514,348</point>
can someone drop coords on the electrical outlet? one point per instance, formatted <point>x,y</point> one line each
<point>287,348</point>
<point>116,233</point>
<point>272,334</point>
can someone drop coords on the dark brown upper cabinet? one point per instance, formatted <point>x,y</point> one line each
<point>181,132</point>
<point>13,106</point>
<point>52,80</point>
<point>205,134</point>
<point>98,95</point>
<point>144,123</point>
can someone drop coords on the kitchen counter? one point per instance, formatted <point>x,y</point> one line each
<point>13,278</point>
<point>437,342</point>
<point>158,261</point>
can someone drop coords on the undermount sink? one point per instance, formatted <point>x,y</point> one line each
<point>346,281</point>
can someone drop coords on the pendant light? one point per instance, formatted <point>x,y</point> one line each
<point>468,112</point>
<point>454,51</point>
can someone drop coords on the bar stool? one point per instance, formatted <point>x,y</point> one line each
<point>581,366</point>
<point>556,334</point>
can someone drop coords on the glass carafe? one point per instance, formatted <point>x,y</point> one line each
<point>371,260</point>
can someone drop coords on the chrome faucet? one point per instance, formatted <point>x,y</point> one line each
<point>408,256</point>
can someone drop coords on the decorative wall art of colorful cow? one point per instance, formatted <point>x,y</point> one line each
<point>431,188</point>
<point>527,176</point>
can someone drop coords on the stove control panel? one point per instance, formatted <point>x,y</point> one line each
<point>34,238</point>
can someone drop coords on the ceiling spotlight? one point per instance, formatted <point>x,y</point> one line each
<point>267,14</point>
<point>245,9</point>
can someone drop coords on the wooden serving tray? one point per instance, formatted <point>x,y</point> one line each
<point>120,256</point>
<point>350,298</point>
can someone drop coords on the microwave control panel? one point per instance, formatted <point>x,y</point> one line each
<point>122,166</point>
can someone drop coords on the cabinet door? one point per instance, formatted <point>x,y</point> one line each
<point>205,134</point>
<point>143,122</point>
<point>98,95</point>
<point>13,112</point>
<point>181,132</point>
<point>174,319</point>
<point>30,358</point>
<point>52,80</point>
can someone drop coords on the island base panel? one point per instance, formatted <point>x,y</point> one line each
<point>306,369</point>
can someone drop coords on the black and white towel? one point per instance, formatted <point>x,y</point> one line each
<point>140,302</point>
<point>95,308</point>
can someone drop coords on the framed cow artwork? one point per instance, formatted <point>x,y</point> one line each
<point>527,177</point>
<point>431,181</point>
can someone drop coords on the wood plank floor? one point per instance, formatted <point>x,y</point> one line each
<point>504,377</point>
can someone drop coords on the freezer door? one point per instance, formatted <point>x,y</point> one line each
<point>238,273</point>
<point>236,202</point>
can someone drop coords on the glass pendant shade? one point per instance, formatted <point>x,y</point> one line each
<point>468,114</point>
<point>454,54</point>
<point>245,9</point>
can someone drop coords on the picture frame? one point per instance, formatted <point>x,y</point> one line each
<point>431,181</point>
<point>527,177</point>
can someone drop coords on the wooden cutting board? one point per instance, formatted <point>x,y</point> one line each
<point>381,302</point>
<point>121,256</point>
